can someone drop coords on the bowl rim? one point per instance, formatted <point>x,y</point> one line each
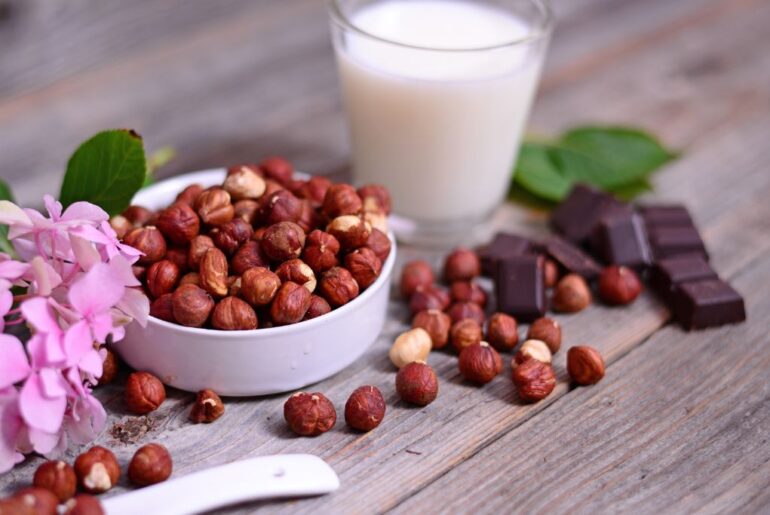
<point>382,280</point>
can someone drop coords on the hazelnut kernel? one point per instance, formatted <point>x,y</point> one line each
<point>250,255</point>
<point>430,297</point>
<point>83,504</point>
<point>162,277</point>
<point>121,225</point>
<point>198,248</point>
<point>144,393</point>
<point>246,210</point>
<point>191,305</point>
<point>110,367</point>
<point>468,291</point>
<point>585,365</point>
<point>277,168</point>
<point>97,470</point>
<point>189,194</point>
<point>415,275</point>
<point>259,286</point>
<point>150,465</point>
<point>233,314</point>
<point>214,206</point>
<point>546,330</point>
<point>31,500</point>
<point>379,243</point>
<point>412,345</point>
<point>502,332</point>
<point>465,333</point>
<point>207,408</point>
<point>58,477</point>
<point>534,380</point>
<point>461,265</point>
<point>365,408</point>
<point>462,310</point>
<point>416,383</point>
<point>551,272</point>
<point>619,285</point>
<point>297,271</point>
<point>149,241</point>
<point>376,194</point>
<point>534,349</point>
<point>139,216</point>
<point>309,414</point>
<point>364,265</point>
<point>571,294</point>
<point>163,308</point>
<point>290,304</point>
<point>480,363</point>
<point>350,230</point>
<point>341,199</point>
<point>281,206</point>
<point>436,323</point>
<point>338,286</point>
<point>243,183</point>
<point>229,236</point>
<point>179,223</point>
<point>318,307</point>
<point>213,272</point>
<point>283,241</point>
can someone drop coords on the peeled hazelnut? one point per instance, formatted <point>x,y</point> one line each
<point>150,465</point>
<point>338,286</point>
<point>83,504</point>
<point>191,305</point>
<point>233,285</point>
<point>571,294</point>
<point>534,349</point>
<point>259,286</point>
<point>415,275</point>
<point>277,168</point>
<point>214,206</point>
<point>229,236</point>
<point>380,243</point>
<point>534,380</point>
<point>162,277</point>
<point>179,223</point>
<point>309,414</point>
<point>189,194</point>
<point>546,330</point>
<point>416,383</point>
<point>480,363</point>
<point>246,210</point>
<point>364,266</point>
<point>462,310</point>
<point>412,345</point>
<point>431,297</point>
<point>341,199</point>
<point>297,271</point>
<point>376,220</point>
<point>321,251</point>
<point>502,332</point>
<point>377,195</point>
<point>139,216</point>
<point>290,304</point>
<point>233,314</point>
<point>250,255</point>
<point>121,225</point>
<point>144,393</point>
<point>350,230</point>
<point>551,271</point>
<point>281,206</point>
<point>58,477</point>
<point>163,308</point>
<point>149,241</point>
<point>283,241</point>
<point>97,470</point>
<point>436,323</point>
<point>318,307</point>
<point>110,367</point>
<point>585,365</point>
<point>619,285</point>
<point>246,166</point>
<point>198,247</point>
<point>461,265</point>
<point>314,190</point>
<point>468,291</point>
<point>464,333</point>
<point>213,272</point>
<point>207,408</point>
<point>244,183</point>
<point>38,501</point>
<point>365,408</point>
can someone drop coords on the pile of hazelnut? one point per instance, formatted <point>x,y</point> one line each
<point>262,249</point>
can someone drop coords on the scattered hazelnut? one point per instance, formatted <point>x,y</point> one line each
<point>412,345</point>
<point>290,304</point>
<point>198,248</point>
<point>338,286</point>
<point>318,307</point>
<point>364,266</point>
<point>250,255</point>
<point>244,183</point>
<point>144,393</point>
<point>534,349</point>
<point>110,367</point>
<point>149,241</point>
<point>462,310</point>
<point>281,206</point>
<point>379,243</point>
<point>551,271</point>
<point>189,194</point>
<point>163,307</point>
<point>571,294</point>
<point>436,323</point>
<point>121,225</point>
<point>162,277</point>
<point>277,168</point>
<point>207,408</point>
<point>214,206</point>
<point>39,501</point>
<point>340,200</point>
<point>377,195</point>
<point>191,305</point>
<point>297,271</point>
<point>416,383</point>
<point>58,477</point>
<point>534,380</point>
<point>480,363</point>
<point>259,286</point>
<point>468,291</point>
<point>546,330</point>
<point>321,251</point>
<point>415,275</point>
<point>350,230</point>
<point>83,504</point>
<point>138,215</point>
<point>179,223</point>
<point>365,408</point>
<point>283,241</point>
<point>151,464</point>
<point>619,285</point>
<point>246,210</point>
<point>464,333</point>
<point>461,265</point>
<point>585,365</point>
<point>213,272</point>
<point>233,314</point>
<point>97,470</point>
<point>430,297</point>
<point>309,414</point>
<point>502,332</point>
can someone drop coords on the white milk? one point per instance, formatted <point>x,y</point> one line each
<point>440,128</point>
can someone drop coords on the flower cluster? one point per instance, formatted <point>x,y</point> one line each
<point>74,289</point>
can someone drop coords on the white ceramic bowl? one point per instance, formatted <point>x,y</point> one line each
<point>258,362</point>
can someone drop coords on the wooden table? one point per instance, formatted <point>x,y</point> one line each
<point>682,420</point>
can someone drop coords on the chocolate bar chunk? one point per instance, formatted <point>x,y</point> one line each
<point>668,273</point>
<point>503,245</point>
<point>669,215</point>
<point>576,217</point>
<point>520,286</point>
<point>708,303</point>
<point>572,258</point>
<point>671,241</point>
<point>620,239</point>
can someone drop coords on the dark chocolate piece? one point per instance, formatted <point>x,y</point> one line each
<point>668,273</point>
<point>668,215</point>
<point>621,239</point>
<point>576,217</point>
<point>708,303</point>
<point>503,245</point>
<point>520,287</point>
<point>671,241</point>
<point>572,258</point>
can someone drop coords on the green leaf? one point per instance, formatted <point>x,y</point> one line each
<point>632,190</point>
<point>156,160</point>
<point>5,244</point>
<point>107,170</point>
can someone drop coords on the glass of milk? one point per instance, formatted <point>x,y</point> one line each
<point>437,95</point>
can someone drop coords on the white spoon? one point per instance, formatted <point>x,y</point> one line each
<point>265,477</point>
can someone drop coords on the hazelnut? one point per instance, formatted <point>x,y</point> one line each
<point>214,206</point>
<point>233,285</point>
<point>546,330</point>
<point>34,500</point>
<point>283,241</point>
<point>415,275</point>
<point>297,271</point>
<point>376,220</point>
<point>163,308</point>
<point>416,383</point>
<point>207,408</point>
<point>551,272</point>
<point>259,286</point>
<point>83,504</point>
<point>247,166</point>
<point>375,195</point>
<point>189,194</point>
<point>179,223</point>
<point>144,393</point>
<point>412,345</point>
<point>480,363</point>
<point>139,216</point>
<point>246,210</point>
<point>178,256</point>
<point>534,380</point>
<point>281,206</point>
<point>462,310</point>
<point>190,278</point>
<point>619,285</point>
<point>468,291</point>
<point>585,365</point>
<point>271,187</point>
<point>436,323</point>
<point>162,277</point>
<point>534,349</point>
<point>97,470</point>
<point>139,272</point>
<point>341,199</point>
<point>149,241</point>
<point>243,183</point>
<point>233,314</point>
<point>213,272</point>
<point>379,243</point>
<point>431,297</point>
<point>364,266</point>
<point>338,286</point>
<point>502,332</point>
<point>318,307</point>
<point>309,218</point>
<point>58,477</point>
<point>365,408</point>
<point>250,255</point>
<point>110,367</point>
<point>198,248</point>
<point>464,333</point>
<point>191,305</point>
<point>290,304</point>
<point>350,230</point>
<point>121,225</point>
<point>229,236</point>
<point>461,265</point>
<point>571,294</point>
<point>314,190</point>
<point>277,168</point>
<point>151,464</point>
<point>309,414</point>
<point>321,251</point>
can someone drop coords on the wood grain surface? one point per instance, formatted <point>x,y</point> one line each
<point>681,421</point>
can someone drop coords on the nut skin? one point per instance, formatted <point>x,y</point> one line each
<point>214,206</point>
<point>350,230</point>
<point>321,251</point>
<point>277,168</point>
<point>248,256</point>
<point>412,345</point>
<point>416,383</point>
<point>162,277</point>
<point>480,363</point>
<point>97,470</point>
<point>340,200</point>
<point>415,275</point>
<point>110,367</point>
<point>364,265</point>
<point>534,380</point>
<point>468,291</point>
<point>314,190</point>
<point>502,332</point>
<point>283,241</point>
<point>198,247</point>
<point>585,365</point>
<point>139,216</point>
<point>546,330</point>
<point>144,393</point>
<point>149,241</point>
<point>191,305</point>
<point>436,323</point>
<point>150,465</point>
<point>534,349</point>
<point>281,206</point>
<point>461,265</point>
<point>377,195</point>
<point>365,408</point>
<point>338,286</point>
<point>309,414</point>
<point>430,297</point>
<point>297,271</point>
<point>290,304</point>
<point>179,223</point>
<point>246,210</point>
<point>318,307</point>
<point>213,272</point>
<point>619,285</point>
<point>38,501</point>
<point>163,308</point>
<point>121,225</point>
<point>462,310</point>
<point>58,477</point>
<point>243,183</point>
<point>233,314</point>
<point>178,256</point>
<point>571,294</point>
<point>189,194</point>
<point>376,220</point>
<point>207,408</point>
<point>229,236</point>
<point>190,278</point>
<point>551,271</point>
<point>259,286</point>
<point>379,243</point>
<point>84,504</point>
<point>464,333</point>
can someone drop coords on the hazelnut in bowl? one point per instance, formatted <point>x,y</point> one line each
<point>256,286</point>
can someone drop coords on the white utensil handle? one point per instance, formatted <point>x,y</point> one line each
<point>286,475</point>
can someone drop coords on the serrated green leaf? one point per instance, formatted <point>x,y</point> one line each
<point>5,194</point>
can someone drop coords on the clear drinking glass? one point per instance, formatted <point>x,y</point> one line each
<point>437,94</point>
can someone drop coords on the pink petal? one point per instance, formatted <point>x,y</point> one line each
<point>52,383</point>
<point>85,252</point>
<point>85,211</point>
<point>42,441</point>
<point>121,267</point>
<point>87,420</point>
<point>102,326</point>
<point>136,305</point>
<point>6,301</point>
<point>53,207</point>
<point>40,315</point>
<point>39,411</point>
<point>13,215</point>
<point>44,276</point>
<point>77,342</point>
<point>10,427</point>
<point>92,364</point>
<point>14,366</point>
<point>13,270</point>
<point>97,290</point>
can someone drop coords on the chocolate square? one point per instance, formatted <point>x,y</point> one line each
<point>668,215</point>
<point>572,258</point>
<point>520,286</point>
<point>668,273</point>
<point>621,239</point>
<point>502,246</point>
<point>576,217</point>
<point>671,241</point>
<point>708,303</point>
